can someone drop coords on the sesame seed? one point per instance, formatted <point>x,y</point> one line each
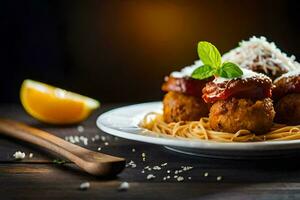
<point>180,178</point>
<point>19,155</point>
<point>219,178</point>
<point>76,138</point>
<point>84,186</point>
<point>106,143</point>
<point>85,142</point>
<point>168,171</point>
<point>82,138</point>
<point>103,138</point>
<point>124,186</point>
<point>189,178</point>
<point>80,129</point>
<point>164,164</point>
<point>30,155</point>
<point>70,139</point>
<point>99,148</point>
<point>156,168</point>
<point>150,176</point>
<point>186,168</point>
<point>131,164</point>
<point>206,174</point>
<point>133,149</point>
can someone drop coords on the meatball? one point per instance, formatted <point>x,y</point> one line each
<point>286,85</point>
<point>233,114</point>
<point>288,109</point>
<point>182,107</point>
<point>252,86</point>
<point>185,85</point>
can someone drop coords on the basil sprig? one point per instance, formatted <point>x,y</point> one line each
<point>213,66</point>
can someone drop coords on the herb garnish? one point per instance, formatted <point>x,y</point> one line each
<point>213,66</point>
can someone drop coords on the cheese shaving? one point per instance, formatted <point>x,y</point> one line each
<point>247,74</point>
<point>289,74</point>
<point>258,53</point>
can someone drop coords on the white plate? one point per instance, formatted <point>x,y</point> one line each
<point>123,122</point>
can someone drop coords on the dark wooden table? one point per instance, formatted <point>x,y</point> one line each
<point>40,178</point>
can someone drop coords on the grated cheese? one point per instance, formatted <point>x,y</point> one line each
<point>247,74</point>
<point>289,74</point>
<point>257,52</point>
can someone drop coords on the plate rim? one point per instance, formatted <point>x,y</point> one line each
<point>188,143</point>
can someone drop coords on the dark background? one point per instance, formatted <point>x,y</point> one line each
<point>119,51</point>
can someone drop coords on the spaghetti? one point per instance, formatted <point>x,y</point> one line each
<point>201,130</point>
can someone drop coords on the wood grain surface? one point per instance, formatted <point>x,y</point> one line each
<point>41,178</point>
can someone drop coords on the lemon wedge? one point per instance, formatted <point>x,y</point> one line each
<point>55,105</point>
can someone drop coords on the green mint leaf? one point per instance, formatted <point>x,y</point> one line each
<point>209,54</point>
<point>230,70</point>
<point>203,72</point>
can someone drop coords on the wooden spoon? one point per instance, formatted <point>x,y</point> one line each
<point>92,162</point>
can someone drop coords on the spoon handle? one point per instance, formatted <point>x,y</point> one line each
<point>93,162</point>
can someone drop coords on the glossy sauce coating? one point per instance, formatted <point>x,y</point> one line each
<point>185,85</point>
<point>251,88</point>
